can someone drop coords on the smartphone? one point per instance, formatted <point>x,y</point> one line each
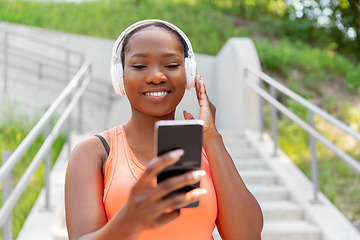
<point>180,134</point>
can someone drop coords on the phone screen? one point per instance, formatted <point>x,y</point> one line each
<point>179,134</point>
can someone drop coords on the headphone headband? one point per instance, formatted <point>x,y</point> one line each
<point>116,69</point>
<point>119,40</point>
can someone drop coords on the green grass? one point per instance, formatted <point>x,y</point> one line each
<point>338,181</point>
<point>207,27</point>
<point>13,129</point>
<point>305,69</point>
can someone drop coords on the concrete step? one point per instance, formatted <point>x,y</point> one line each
<point>241,153</point>
<point>231,134</point>
<point>61,234</point>
<point>281,210</point>
<point>250,164</point>
<point>290,230</point>
<point>236,142</point>
<point>258,177</point>
<point>270,193</point>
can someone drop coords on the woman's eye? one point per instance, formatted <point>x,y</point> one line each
<point>139,66</point>
<point>173,66</point>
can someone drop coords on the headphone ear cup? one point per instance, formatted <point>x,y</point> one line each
<point>117,77</point>
<point>190,68</point>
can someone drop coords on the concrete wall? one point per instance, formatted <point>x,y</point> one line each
<point>236,104</point>
<point>32,95</point>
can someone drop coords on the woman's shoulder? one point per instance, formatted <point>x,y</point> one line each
<point>91,149</point>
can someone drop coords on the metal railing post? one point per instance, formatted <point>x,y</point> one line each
<point>47,162</point>
<point>80,128</point>
<point>261,111</point>
<point>68,134</point>
<point>5,60</point>
<point>40,71</point>
<point>313,161</point>
<point>273,110</point>
<point>6,191</point>
<point>67,62</point>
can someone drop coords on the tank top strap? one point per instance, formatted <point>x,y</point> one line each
<point>135,167</point>
<point>117,153</point>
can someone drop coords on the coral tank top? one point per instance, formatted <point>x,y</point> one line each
<point>122,170</point>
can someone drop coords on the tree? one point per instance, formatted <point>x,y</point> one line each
<point>339,18</point>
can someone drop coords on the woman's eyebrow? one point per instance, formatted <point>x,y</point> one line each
<point>170,55</point>
<point>146,55</point>
<point>139,55</point>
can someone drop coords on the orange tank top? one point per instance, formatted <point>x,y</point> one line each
<point>121,172</point>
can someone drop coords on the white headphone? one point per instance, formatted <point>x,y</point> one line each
<point>116,70</point>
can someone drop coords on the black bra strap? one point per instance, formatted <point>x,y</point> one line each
<point>106,145</point>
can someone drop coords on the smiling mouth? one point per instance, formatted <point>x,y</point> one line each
<point>156,94</point>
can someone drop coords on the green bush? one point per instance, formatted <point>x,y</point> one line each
<point>209,24</point>
<point>13,129</point>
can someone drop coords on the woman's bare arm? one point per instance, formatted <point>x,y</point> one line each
<point>85,214</point>
<point>239,214</point>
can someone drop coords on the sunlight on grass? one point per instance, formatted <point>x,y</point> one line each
<point>305,69</point>
<point>337,180</point>
<point>13,129</point>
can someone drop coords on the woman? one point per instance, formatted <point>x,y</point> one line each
<point>113,194</point>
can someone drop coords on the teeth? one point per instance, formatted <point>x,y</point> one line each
<point>155,94</point>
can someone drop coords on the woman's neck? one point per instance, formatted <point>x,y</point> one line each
<point>140,134</point>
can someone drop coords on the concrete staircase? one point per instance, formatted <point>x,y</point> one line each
<point>283,218</point>
<point>280,187</point>
<point>286,216</point>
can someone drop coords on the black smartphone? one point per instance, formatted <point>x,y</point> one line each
<point>180,134</point>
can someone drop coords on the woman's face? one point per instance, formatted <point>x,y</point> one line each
<point>154,72</point>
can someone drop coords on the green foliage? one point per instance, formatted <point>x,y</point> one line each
<point>13,129</point>
<point>300,55</point>
<point>318,67</point>
<point>208,29</point>
<point>338,181</point>
<point>353,78</point>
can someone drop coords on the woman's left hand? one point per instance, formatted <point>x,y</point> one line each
<point>207,108</point>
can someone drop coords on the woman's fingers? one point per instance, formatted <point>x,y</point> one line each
<point>207,108</point>
<point>187,115</point>
<point>174,203</point>
<point>168,217</point>
<point>172,206</point>
<point>174,183</point>
<point>157,165</point>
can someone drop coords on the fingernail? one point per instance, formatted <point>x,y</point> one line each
<point>184,111</point>
<point>198,174</point>
<point>199,192</point>
<point>176,153</point>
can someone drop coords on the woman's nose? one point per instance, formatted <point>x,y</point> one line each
<point>156,76</point>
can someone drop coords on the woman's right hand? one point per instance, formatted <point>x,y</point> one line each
<point>146,208</point>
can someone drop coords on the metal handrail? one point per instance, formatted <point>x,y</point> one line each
<point>42,65</point>
<point>334,121</point>
<point>39,127</point>
<point>19,52</point>
<point>309,127</point>
<point>44,42</point>
<point>6,169</point>
<point>72,94</point>
<point>36,72</point>
<point>40,59</point>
